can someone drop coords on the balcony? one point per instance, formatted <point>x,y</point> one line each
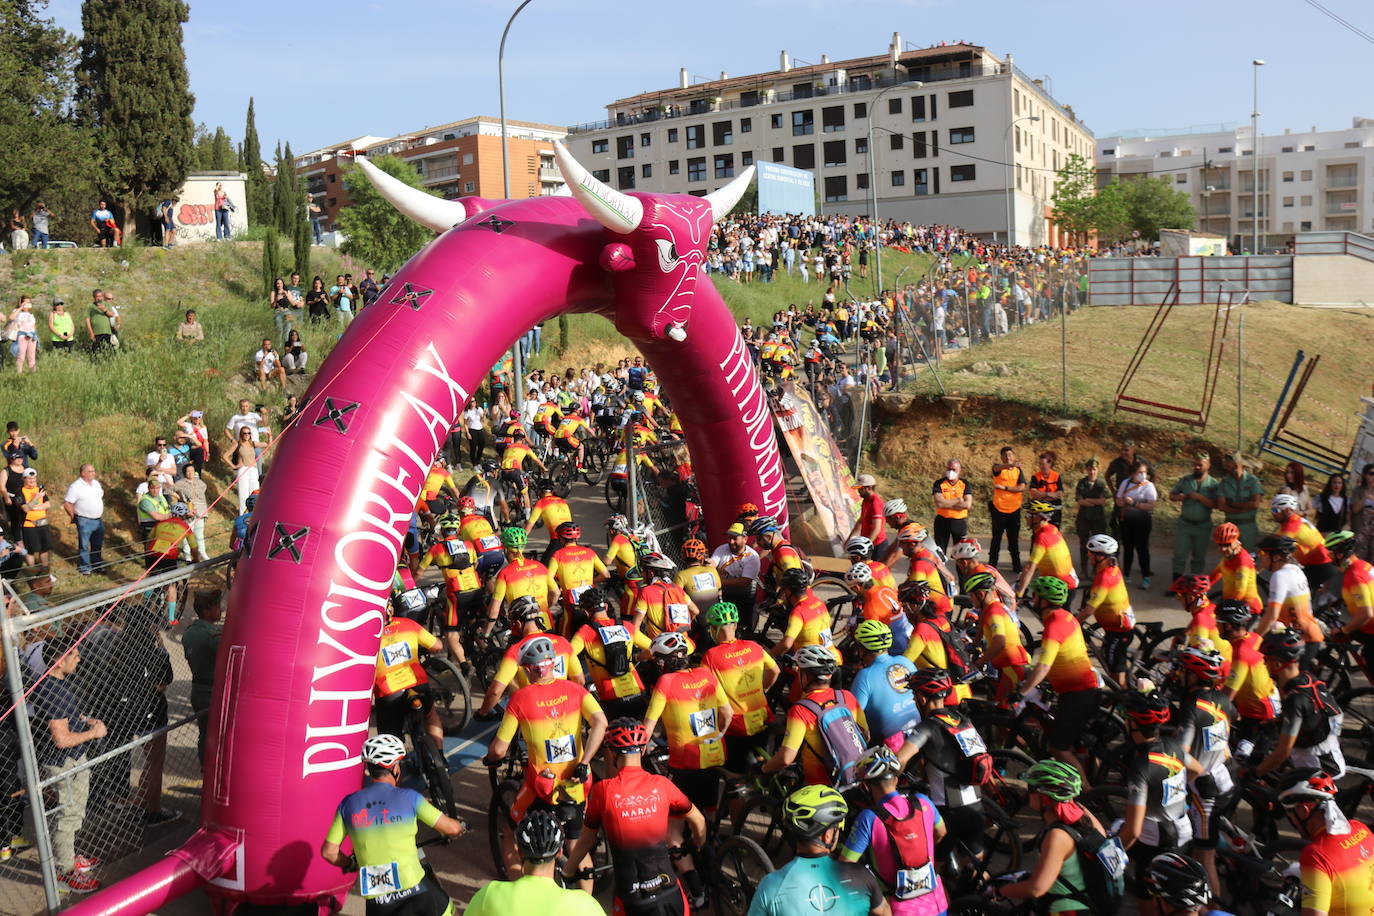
<point>439,173</point>
<point>550,175</point>
<point>1342,181</point>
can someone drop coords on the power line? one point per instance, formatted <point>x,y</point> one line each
<point>1336,18</point>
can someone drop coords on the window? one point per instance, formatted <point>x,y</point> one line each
<point>860,110</point>
<point>1306,200</point>
<point>1306,225</point>
<point>645,140</point>
<point>963,172</point>
<point>696,169</point>
<point>673,168</point>
<point>723,133</point>
<point>861,181</point>
<point>961,99</point>
<point>833,151</point>
<point>960,135</point>
<point>918,108</point>
<point>777,154</point>
<point>601,146</point>
<point>1306,175</point>
<point>894,141</point>
<point>467,159</point>
<point>932,117</point>
<point>646,171</point>
<point>894,106</point>
<point>803,123</point>
<point>1352,144</point>
<point>672,135</point>
<point>861,146</point>
<point>775,121</point>
<point>469,187</point>
<point>1287,176</point>
<point>698,106</point>
<point>625,147</point>
<point>832,119</point>
<point>803,90</point>
<point>749,98</point>
<point>725,166</point>
<point>1286,149</point>
<point>1288,201</point>
<point>899,179</point>
<point>746,159</point>
<point>625,178</point>
<point>696,136</point>
<point>1180,179</point>
<point>601,174</point>
<point>1226,149</point>
<point>1308,149</point>
<point>836,188</point>
<point>746,125</point>
<point>921,183</point>
<point>804,156</point>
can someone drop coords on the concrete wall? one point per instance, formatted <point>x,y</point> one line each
<point>195,208</point>
<point>1332,279</point>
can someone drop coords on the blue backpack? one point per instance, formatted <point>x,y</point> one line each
<point>844,740</point>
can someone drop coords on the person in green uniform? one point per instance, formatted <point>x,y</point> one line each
<point>1196,496</point>
<point>1238,496</point>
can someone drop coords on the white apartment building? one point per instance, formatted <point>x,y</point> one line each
<point>943,120</point>
<point>1309,181</point>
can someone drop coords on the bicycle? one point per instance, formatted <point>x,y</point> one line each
<point>433,767</point>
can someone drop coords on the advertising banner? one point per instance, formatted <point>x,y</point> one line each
<point>822,466</point>
<point>783,189</point>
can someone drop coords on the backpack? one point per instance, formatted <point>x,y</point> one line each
<point>979,769</point>
<point>844,740</point>
<point>956,656</point>
<point>1103,862</point>
<point>910,845</point>
<point>615,643</point>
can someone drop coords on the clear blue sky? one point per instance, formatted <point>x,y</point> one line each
<point>327,71</point>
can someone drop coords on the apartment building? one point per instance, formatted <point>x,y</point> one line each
<point>943,122</point>
<point>459,159</point>
<point>1308,181</point>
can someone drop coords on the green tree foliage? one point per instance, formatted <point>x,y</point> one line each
<point>133,92</point>
<point>1075,195</point>
<point>283,194</point>
<point>377,234</point>
<point>271,259</point>
<point>1144,205</point>
<point>299,229</point>
<point>258,190</point>
<point>45,153</point>
<point>214,152</point>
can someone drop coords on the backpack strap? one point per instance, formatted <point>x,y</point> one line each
<point>1076,894</point>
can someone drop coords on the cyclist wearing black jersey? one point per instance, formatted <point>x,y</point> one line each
<point>1204,720</point>
<point>1310,724</point>
<point>946,741</point>
<point>1156,790</point>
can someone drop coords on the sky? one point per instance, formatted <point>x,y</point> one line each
<point>323,72</point>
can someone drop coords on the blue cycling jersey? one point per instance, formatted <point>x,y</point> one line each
<point>817,884</point>
<point>882,692</point>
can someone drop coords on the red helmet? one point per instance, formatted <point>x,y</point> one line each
<point>1191,586</point>
<point>933,683</point>
<point>626,736</point>
<point>1146,708</point>
<point>569,531</point>
<point>467,502</point>
<point>1226,533</point>
<point>748,509</point>
<point>1207,664</point>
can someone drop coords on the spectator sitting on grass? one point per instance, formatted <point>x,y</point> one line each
<point>191,329</point>
<point>268,365</point>
<point>294,355</point>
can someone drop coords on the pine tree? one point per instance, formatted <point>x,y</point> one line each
<point>133,92</point>
<point>258,191</point>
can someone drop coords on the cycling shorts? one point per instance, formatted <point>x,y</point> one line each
<point>427,898</point>
<point>391,709</point>
<point>965,825</point>
<point>1202,812</point>
<point>567,445</point>
<point>702,787</point>
<point>513,475</point>
<point>462,606</point>
<point>1072,713</point>
<point>490,563</point>
<point>740,750</point>
<point>570,814</point>
<point>664,905</point>
<point>1116,646</point>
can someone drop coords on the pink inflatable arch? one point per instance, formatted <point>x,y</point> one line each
<point>294,675</point>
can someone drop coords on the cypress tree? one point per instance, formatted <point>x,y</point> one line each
<point>133,93</point>
<point>281,195</point>
<point>301,236</point>
<point>222,155</point>
<point>271,259</point>
<point>257,190</point>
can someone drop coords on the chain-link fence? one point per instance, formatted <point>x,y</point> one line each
<point>99,743</point>
<point>664,500</point>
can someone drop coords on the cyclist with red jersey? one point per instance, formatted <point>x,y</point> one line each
<point>550,510</point>
<point>1311,550</point>
<point>661,605</point>
<point>860,550</point>
<point>782,556</point>
<point>1049,553</point>
<point>399,673</point>
<point>1336,862</point>
<point>573,569</point>
<point>1249,685</point>
<point>1202,631</point>
<point>895,512</point>
<point>475,527</point>
<point>1110,605</point>
<point>1236,571</point>
<point>1357,590</point>
<point>965,555</point>
<point>635,809</point>
<point>608,643</point>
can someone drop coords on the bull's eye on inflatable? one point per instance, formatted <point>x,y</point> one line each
<point>293,689</point>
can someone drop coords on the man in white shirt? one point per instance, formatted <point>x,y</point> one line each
<point>85,505</point>
<point>160,459</point>
<point>738,564</point>
<point>269,366</point>
<point>245,417</point>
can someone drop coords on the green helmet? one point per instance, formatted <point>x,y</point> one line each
<point>1340,542</point>
<point>1054,778</point>
<point>513,537</point>
<point>721,613</point>
<point>811,810</point>
<point>978,582</point>
<point>874,635</point>
<point>1051,588</point>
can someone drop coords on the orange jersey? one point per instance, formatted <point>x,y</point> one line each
<point>1110,601</point>
<point>521,577</point>
<point>880,603</point>
<point>549,717</point>
<point>808,624</point>
<point>883,575</point>
<point>1338,873</point>
<point>1237,576</point>
<point>1063,649</point>
<point>739,666</point>
<point>688,704</point>
<point>398,659</point>
<point>1311,546</point>
<point>1250,683</point>
<point>923,569</point>
<point>552,511</point>
<point>565,663</point>
<point>601,638</point>
<point>574,568</point>
<point>666,608</point>
<point>1050,555</point>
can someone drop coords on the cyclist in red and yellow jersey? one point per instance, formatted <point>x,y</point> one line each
<point>476,528</point>
<point>1049,553</point>
<point>1203,631</point>
<point>661,606</point>
<point>550,509</point>
<point>802,741</point>
<point>1311,549</point>
<point>1337,861</point>
<point>1063,659</point>
<point>914,543</point>
<point>566,438</point>
<point>700,580</point>
<point>1001,637</point>
<point>1110,604</point>
<point>573,568</point>
<point>695,713</point>
<point>439,482</point>
<point>457,560</point>
<point>608,642</point>
<point>519,577</point>
<point>1236,571</point>
<point>745,671</point>
<point>399,672</point>
<point>1250,687</point>
<point>925,646</point>
<point>965,555</point>
<point>808,619</point>
<point>860,550</point>
<point>547,417</point>
<point>782,556</point>
<point>1357,590</point>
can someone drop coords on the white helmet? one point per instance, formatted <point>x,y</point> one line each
<point>859,545</point>
<point>668,644</point>
<point>383,750</point>
<point>964,550</point>
<point>1284,501</point>
<point>859,574</point>
<point>1103,543</point>
<point>895,507</point>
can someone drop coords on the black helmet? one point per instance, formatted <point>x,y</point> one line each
<point>1283,644</point>
<point>594,599</point>
<point>1146,708</point>
<point>539,836</point>
<point>1178,880</point>
<point>795,579</point>
<point>1235,612</point>
<point>1277,544</point>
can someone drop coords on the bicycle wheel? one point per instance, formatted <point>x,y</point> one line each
<point>1156,659</point>
<point>614,493</point>
<point>435,770</point>
<point>561,473</point>
<point>740,865</point>
<point>1009,792</point>
<point>761,823</point>
<point>452,694</point>
<point>1000,852</point>
<point>1109,751</point>
<point>501,830</point>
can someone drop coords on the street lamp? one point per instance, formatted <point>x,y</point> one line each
<point>873,179</point>
<point>1255,151</point>
<point>517,361</point>
<point>1006,164</point>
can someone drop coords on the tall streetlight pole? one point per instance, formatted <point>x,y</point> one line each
<point>873,178</point>
<point>1006,168</point>
<point>518,382</point>
<point>1255,141</point>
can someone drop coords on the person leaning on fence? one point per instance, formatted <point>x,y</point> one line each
<point>62,738</point>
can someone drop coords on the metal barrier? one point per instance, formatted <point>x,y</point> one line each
<point>667,510</point>
<point>120,799</point>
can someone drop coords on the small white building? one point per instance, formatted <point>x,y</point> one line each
<point>195,208</point>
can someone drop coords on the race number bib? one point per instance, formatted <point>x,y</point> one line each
<point>1215,736</point>
<point>560,750</point>
<point>703,582</point>
<point>914,882</point>
<point>1171,794</point>
<point>455,547</point>
<point>970,742</point>
<point>413,599</point>
<point>1112,855</point>
<point>379,879</point>
<point>679,615</point>
<point>576,592</point>
<point>398,653</point>
<point>825,638</point>
<point>612,635</point>
<point>703,723</point>
<point>489,542</point>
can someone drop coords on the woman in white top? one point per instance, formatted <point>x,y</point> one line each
<point>24,327</point>
<point>475,428</point>
<point>1136,497</point>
